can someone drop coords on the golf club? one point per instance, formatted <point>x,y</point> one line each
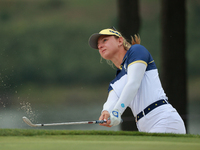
<point>28,122</point>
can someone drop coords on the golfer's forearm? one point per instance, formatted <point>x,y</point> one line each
<point>135,76</point>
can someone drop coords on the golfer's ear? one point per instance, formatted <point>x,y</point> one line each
<point>120,41</point>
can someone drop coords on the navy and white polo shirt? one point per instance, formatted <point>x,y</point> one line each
<point>150,89</point>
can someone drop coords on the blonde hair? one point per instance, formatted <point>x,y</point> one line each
<point>134,40</point>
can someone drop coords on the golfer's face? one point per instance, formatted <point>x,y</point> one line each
<point>107,46</point>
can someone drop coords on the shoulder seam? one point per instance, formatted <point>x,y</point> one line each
<point>138,61</point>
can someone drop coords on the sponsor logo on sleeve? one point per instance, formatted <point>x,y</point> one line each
<point>115,113</point>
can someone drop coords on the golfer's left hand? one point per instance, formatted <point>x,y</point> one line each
<point>115,117</point>
<point>105,116</point>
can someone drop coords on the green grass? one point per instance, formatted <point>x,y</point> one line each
<point>19,139</point>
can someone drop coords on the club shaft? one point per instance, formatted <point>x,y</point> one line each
<point>67,123</point>
<point>27,121</point>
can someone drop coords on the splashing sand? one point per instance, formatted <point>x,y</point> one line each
<point>2,103</point>
<point>26,107</point>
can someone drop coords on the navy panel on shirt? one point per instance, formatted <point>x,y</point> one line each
<point>140,53</point>
<point>137,53</point>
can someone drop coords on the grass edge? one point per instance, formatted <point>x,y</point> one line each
<point>39,132</point>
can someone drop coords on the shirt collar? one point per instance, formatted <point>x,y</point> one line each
<point>123,61</point>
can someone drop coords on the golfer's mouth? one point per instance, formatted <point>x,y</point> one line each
<point>102,51</point>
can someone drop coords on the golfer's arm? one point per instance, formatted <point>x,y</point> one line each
<point>111,101</point>
<point>135,74</point>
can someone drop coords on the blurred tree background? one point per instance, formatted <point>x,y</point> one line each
<point>45,57</point>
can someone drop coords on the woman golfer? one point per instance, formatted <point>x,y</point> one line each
<point>136,85</point>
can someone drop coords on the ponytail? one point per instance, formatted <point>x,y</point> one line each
<point>134,40</point>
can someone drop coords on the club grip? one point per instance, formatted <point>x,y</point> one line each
<point>101,121</point>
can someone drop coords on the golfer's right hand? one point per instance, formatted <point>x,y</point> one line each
<point>104,116</point>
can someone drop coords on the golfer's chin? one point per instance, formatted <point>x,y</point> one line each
<point>106,56</point>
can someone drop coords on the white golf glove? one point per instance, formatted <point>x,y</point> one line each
<point>115,117</point>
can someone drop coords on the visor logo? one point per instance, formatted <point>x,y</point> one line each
<point>115,32</point>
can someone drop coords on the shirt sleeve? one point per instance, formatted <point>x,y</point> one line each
<point>138,53</point>
<point>135,74</point>
<point>111,101</point>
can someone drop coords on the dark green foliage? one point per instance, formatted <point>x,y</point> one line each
<point>47,41</point>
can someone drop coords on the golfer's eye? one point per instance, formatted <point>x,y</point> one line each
<point>104,40</point>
